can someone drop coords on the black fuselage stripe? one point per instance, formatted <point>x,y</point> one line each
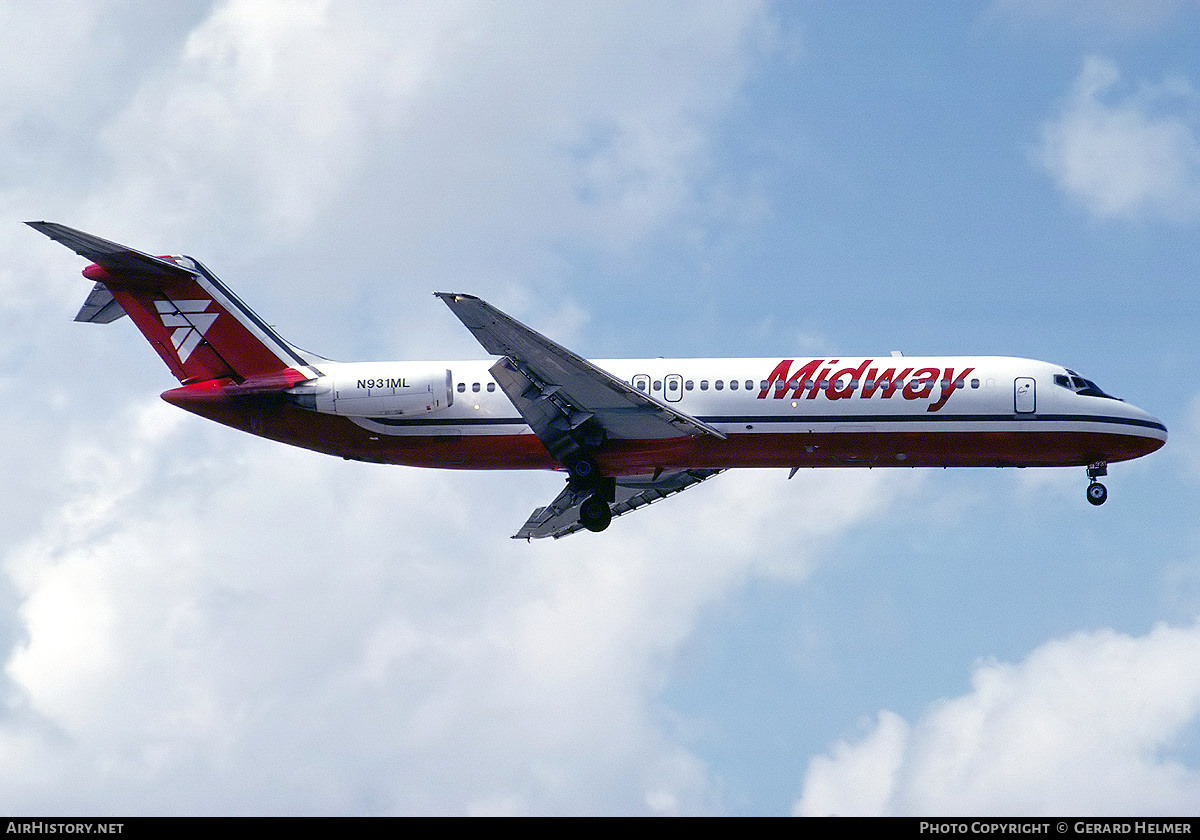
<point>750,419</point>
<point>868,419</point>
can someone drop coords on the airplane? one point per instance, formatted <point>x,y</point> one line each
<point>627,432</point>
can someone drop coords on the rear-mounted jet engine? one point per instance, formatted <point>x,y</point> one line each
<point>374,389</point>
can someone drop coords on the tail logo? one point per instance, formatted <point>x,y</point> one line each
<point>188,323</point>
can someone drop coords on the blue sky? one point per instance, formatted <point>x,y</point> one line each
<point>200,622</point>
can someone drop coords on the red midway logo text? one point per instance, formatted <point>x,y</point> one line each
<point>821,376</point>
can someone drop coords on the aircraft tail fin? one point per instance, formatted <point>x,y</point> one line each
<point>198,326</point>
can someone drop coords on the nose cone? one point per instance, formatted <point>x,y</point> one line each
<point>1148,430</point>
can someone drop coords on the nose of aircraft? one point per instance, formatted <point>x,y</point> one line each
<point>1149,429</point>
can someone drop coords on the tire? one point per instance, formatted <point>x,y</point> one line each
<point>1097,493</point>
<point>594,514</point>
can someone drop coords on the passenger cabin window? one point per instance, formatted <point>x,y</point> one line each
<point>733,384</point>
<point>462,387</point>
<point>719,385</point>
<point>491,387</point>
<point>687,386</point>
<point>703,384</point>
<point>475,387</point>
<point>749,384</point>
<point>975,384</point>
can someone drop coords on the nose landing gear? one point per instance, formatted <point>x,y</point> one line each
<point>1097,493</point>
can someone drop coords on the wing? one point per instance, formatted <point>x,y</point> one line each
<point>556,390</point>
<point>571,404</point>
<point>561,517</point>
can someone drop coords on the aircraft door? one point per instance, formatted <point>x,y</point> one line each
<point>642,383</point>
<point>673,387</point>
<point>1024,395</point>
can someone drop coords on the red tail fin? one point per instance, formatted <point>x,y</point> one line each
<point>199,328</point>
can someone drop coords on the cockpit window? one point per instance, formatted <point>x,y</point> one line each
<point>1084,387</point>
<point>1091,389</point>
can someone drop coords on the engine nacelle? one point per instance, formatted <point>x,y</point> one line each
<point>377,389</point>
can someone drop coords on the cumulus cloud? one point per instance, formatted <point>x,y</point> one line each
<point>202,622</point>
<point>501,128</point>
<point>1090,724</point>
<point>1127,153</point>
<point>192,639</point>
<point>319,147</point>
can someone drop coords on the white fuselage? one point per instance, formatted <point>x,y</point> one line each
<point>823,411</point>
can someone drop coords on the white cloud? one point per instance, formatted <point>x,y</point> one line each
<point>209,623</point>
<point>1085,725</point>
<point>351,157</point>
<point>1127,154</point>
<point>473,128</point>
<point>206,622</point>
<point>203,622</point>
<point>367,640</point>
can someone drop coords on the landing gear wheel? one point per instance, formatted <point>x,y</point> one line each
<point>1097,493</point>
<point>594,514</point>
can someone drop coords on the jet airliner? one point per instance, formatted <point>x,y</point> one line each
<point>626,432</point>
